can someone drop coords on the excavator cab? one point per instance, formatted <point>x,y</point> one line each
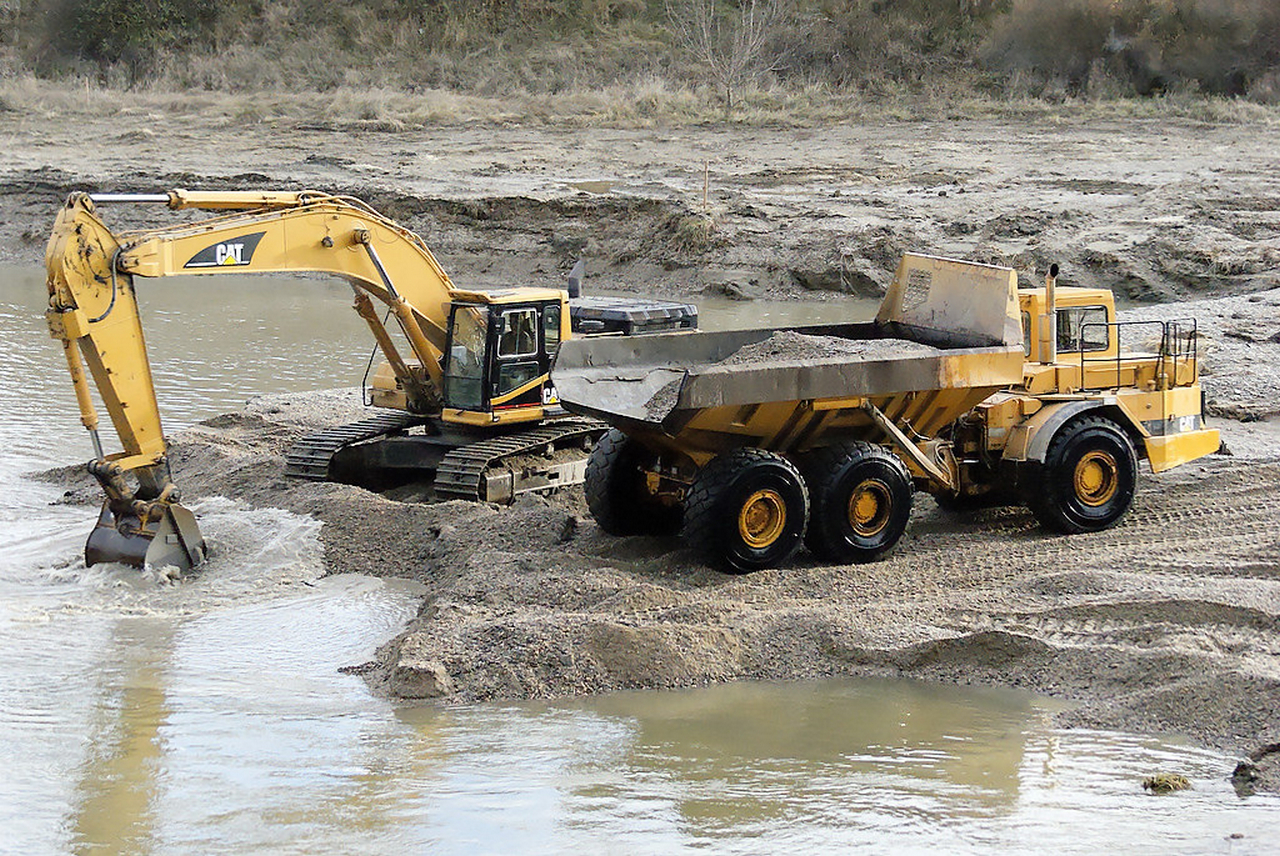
<point>497,363</point>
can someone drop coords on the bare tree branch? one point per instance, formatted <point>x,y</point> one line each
<point>728,42</point>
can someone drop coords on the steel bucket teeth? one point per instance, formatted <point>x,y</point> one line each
<point>175,541</point>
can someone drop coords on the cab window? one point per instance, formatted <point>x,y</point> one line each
<point>551,329</point>
<point>512,376</point>
<point>1083,328</point>
<point>464,367</point>
<point>1026,334</point>
<point>519,334</point>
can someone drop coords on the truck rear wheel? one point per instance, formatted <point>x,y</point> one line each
<point>747,511</point>
<point>1088,478</point>
<point>861,496</point>
<point>616,494</point>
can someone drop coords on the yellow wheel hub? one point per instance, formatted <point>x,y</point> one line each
<point>869,507</point>
<point>1097,478</point>
<point>762,518</point>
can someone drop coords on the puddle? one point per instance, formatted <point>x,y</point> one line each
<point>598,187</point>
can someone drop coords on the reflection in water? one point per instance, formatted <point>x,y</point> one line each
<point>892,766</point>
<point>751,756</point>
<point>268,724</point>
<point>115,798</point>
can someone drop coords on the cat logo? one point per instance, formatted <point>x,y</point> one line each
<point>229,254</point>
<point>236,252</point>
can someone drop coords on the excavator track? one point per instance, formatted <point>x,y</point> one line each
<point>309,458</point>
<point>462,472</point>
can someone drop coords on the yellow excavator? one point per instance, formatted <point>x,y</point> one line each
<point>470,399</point>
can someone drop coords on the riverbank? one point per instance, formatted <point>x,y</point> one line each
<point>1167,623</point>
<point>1159,208</point>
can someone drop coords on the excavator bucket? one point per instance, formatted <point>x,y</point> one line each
<point>173,540</point>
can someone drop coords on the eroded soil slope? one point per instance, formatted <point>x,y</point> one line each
<point>1157,208</point>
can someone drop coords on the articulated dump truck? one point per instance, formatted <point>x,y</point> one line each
<point>754,441</point>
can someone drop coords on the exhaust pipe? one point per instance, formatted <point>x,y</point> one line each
<point>1049,320</point>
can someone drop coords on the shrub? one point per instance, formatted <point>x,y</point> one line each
<point>1216,46</point>
<point>863,42</point>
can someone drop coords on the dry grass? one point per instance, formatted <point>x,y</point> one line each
<point>389,65</point>
<point>649,102</point>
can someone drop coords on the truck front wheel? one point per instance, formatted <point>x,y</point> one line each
<point>1088,478</point>
<point>747,511</point>
<point>616,494</point>
<point>861,496</point>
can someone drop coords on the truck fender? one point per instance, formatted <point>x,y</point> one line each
<point>1029,440</point>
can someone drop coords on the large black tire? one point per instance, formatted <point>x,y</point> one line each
<point>861,495</point>
<point>1088,478</point>
<point>616,494</point>
<point>746,511</point>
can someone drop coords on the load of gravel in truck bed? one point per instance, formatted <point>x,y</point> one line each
<point>790,346</point>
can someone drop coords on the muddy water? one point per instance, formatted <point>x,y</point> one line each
<point>209,716</point>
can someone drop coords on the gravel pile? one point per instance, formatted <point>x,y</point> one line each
<point>792,347</point>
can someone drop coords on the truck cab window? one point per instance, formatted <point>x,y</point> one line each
<point>512,376</point>
<point>1083,328</point>
<point>551,329</point>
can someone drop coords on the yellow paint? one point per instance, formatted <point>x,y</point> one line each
<point>1168,452</point>
<point>482,419</point>
<point>835,404</point>
<point>762,518</point>
<point>1096,478</point>
<point>519,391</point>
<point>214,200</point>
<point>870,505</point>
<point>508,296</point>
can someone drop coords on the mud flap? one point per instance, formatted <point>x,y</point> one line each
<point>174,541</point>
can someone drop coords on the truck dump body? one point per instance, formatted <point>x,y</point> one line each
<point>717,390</point>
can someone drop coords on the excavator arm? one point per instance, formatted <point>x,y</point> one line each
<point>93,312</point>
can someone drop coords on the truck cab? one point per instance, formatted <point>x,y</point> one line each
<point>1140,377</point>
<point>501,343</point>
<point>1083,322</point>
<point>497,357</point>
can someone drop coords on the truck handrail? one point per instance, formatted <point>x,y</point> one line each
<point>1177,348</point>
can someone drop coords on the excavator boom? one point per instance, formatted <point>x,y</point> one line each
<point>93,312</point>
